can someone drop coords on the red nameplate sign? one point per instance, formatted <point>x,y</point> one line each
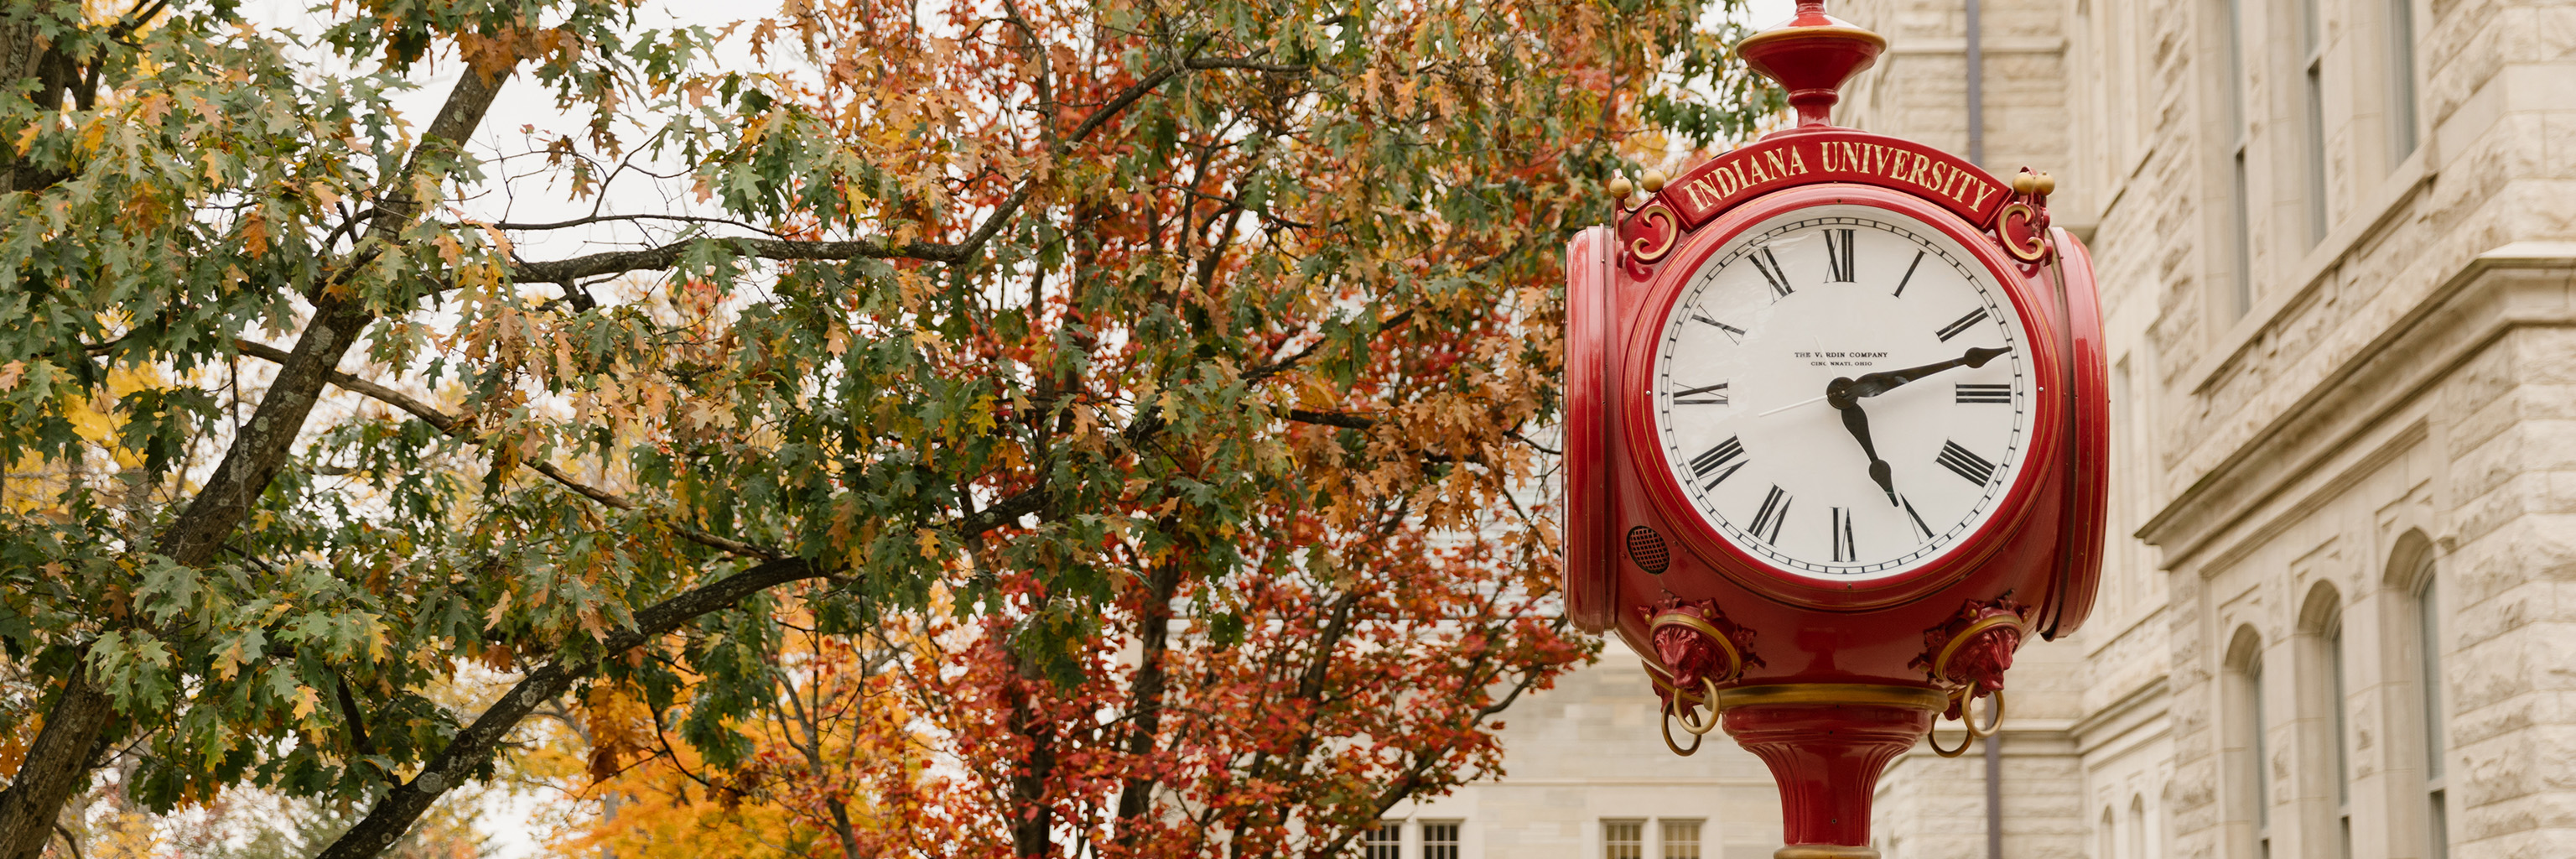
<point>1839,155</point>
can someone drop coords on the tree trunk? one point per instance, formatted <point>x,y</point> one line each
<point>80,718</point>
<point>26,53</point>
<point>1033,821</point>
<point>1145,697</point>
<point>57,766</point>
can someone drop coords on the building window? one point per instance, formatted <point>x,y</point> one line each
<point>2401,84</point>
<point>1386,841</point>
<point>2105,839</point>
<point>1681,839</point>
<point>2262,755</point>
<point>1623,839</point>
<point>2313,49</point>
<point>1440,840</point>
<point>2428,644</point>
<point>2341,753</point>
<point>2240,136</point>
<point>2247,785</point>
<point>2137,827</point>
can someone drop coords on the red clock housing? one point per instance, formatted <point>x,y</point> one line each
<point>1671,513</point>
<point>1825,679</point>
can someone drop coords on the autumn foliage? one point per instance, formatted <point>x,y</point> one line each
<point>1029,428</point>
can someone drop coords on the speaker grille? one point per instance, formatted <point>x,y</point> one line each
<point>1647,549</point>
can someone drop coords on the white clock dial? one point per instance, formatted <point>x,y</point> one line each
<point>1844,392</point>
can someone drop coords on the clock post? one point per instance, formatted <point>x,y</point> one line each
<point>1835,439</point>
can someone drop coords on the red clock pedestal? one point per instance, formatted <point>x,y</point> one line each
<point>1826,744</point>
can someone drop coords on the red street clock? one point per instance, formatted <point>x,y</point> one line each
<point>1835,438</point>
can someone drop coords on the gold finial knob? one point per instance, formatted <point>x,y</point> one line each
<point>1620,188</point>
<point>1653,181</point>
<point>2047,183</point>
<point>2024,182</point>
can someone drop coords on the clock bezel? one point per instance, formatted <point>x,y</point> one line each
<point>1651,465</point>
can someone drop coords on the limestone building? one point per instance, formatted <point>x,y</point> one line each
<point>2337,244</point>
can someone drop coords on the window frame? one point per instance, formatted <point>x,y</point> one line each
<point>1664,841</point>
<point>1375,842</point>
<point>2312,75</point>
<point>2430,708</point>
<point>1636,841</point>
<point>2243,746</point>
<point>1430,829</point>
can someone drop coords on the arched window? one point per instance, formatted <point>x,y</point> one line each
<point>2427,648</point>
<point>2103,839</point>
<point>2137,827</point>
<point>2323,703</point>
<point>2247,752</point>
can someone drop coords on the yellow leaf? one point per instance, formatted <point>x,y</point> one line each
<point>254,234</point>
<point>929,541</point>
<point>493,618</point>
<point>228,663</point>
<point>305,701</point>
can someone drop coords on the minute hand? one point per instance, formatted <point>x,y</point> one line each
<point>1874,384</point>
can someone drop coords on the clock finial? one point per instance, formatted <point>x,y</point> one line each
<point>1812,55</point>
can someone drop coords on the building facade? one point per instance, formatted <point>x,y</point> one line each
<point>2337,246</point>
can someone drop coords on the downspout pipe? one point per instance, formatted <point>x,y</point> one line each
<point>1994,793</point>
<point>1976,88</point>
<point>1977,155</point>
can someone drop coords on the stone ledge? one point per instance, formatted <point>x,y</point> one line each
<point>2432,334</point>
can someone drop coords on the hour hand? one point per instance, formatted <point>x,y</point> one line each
<point>1874,384</point>
<point>1839,396</point>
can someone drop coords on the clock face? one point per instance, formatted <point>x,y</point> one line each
<point>1843,392</point>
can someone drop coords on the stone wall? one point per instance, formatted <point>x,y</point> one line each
<point>2386,384</point>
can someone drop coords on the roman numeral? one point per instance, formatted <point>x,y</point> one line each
<point>1774,513</point>
<point>1909,274</point>
<point>1770,267</point>
<point>1961,327</point>
<point>1966,464</point>
<point>1918,519</point>
<point>1973,392</point>
<point>1844,551</point>
<point>1732,332</point>
<point>1709,395</point>
<point>1838,255</point>
<point>1730,450</point>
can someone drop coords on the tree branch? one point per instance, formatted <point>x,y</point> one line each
<point>564,272</point>
<point>454,427</point>
<point>472,747</point>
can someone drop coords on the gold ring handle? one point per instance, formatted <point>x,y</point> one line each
<point>1697,737</point>
<point>1994,716</point>
<point>1968,720</point>
<point>1934,739</point>
<point>1701,728</point>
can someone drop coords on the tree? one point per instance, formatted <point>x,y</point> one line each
<point>1028,310</point>
<point>1332,681</point>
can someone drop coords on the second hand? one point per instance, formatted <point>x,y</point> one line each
<point>1790,406</point>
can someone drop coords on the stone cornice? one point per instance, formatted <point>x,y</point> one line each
<point>2466,313</point>
<point>2142,705</point>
